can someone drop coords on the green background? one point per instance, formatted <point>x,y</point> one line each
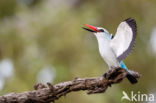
<point>44,37</point>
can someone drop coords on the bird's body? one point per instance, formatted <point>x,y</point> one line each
<point>106,52</point>
<point>114,50</point>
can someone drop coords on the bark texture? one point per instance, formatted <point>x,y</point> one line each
<point>50,93</point>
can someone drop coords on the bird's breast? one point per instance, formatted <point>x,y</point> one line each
<point>105,52</point>
<point>108,55</point>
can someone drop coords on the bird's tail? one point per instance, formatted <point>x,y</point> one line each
<point>131,78</point>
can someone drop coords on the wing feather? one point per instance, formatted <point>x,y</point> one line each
<point>124,40</point>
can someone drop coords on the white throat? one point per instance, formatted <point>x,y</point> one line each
<point>103,39</point>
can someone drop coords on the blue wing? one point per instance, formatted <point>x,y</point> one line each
<point>123,65</point>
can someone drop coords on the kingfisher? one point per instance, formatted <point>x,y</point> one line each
<point>114,49</point>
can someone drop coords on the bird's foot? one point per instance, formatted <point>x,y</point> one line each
<point>113,73</point>
<point>105,75</point>
<point>109,73</point>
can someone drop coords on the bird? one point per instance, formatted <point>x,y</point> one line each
<point>115,48</point>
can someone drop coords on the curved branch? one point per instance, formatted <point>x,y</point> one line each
<point>50,93</point>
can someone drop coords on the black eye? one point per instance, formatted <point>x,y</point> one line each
<point>101,30</point>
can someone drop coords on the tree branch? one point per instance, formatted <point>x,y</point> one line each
<point>50,93</point>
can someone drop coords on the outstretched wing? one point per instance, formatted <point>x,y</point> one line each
<point>124,40</point>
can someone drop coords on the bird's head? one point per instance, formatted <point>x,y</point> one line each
<point>98,31</point>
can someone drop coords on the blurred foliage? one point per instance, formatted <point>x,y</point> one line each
<point>37,33</point>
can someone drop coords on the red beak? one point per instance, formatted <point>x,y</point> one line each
<point>92,27</point>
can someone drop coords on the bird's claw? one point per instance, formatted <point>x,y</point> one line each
<point>105,75</point>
